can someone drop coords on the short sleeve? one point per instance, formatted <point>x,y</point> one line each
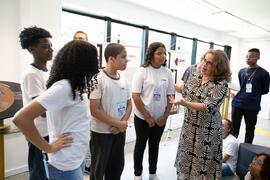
<point>33,85</point>
<point>97,92</point>
<point>216,96</point>
<point>138,80</point>
<point>58,96</point>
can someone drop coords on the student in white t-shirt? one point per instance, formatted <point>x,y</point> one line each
<point>151,87</point>
<point>110,105</point>
<point>67,109</point>
<point>38,42</point>
<point>229,149</point>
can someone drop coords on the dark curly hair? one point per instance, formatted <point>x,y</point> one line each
<point>150,53</point>
<point>31,36</point>
<point>265,173</point>
<point>77,62</point>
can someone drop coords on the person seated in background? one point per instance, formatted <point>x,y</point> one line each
<point>259,168</point>
<point>229,149</point>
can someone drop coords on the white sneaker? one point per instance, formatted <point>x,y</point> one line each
<point>137,177</point>
<point>153,177</point>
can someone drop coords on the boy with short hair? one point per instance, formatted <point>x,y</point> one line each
<point>38,42</point>
<point>254,82</point>
<point>110,105</point>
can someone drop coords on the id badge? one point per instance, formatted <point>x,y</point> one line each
<point>157,94</point>
<point>121,108</point>
<point>248,88</point>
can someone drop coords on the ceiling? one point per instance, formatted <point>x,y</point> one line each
<point>245,19</point>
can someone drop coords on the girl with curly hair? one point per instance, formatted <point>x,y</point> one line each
<point>67,107</point>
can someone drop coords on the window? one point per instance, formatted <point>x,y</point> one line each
<point>202,47</point>
<point>71,23</point>
<point>160,37</point>
<point>126,35</point>
<point>218,47</point>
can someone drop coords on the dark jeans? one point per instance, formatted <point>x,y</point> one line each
<point>107,156</point>
<point>36,163</point>
<point>226,170</point>
<point>250,118</point>
<point>144,133</point>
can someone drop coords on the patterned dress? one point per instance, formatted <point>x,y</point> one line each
<point>199,152</point>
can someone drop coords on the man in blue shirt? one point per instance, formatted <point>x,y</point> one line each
<point>254,82</point>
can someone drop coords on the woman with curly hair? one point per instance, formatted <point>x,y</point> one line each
<point>199,152</point>
<point>67,107</point>
<point>259,168</point>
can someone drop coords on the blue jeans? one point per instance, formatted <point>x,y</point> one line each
<point>226,170</point>
<point>56,174</point>
<point>36,163</point>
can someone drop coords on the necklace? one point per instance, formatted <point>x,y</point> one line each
<point>251,76</point>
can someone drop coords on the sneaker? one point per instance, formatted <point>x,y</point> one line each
<point>137,177</point>
<point>153,177</point>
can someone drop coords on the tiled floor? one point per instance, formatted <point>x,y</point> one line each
<point>167,152</point>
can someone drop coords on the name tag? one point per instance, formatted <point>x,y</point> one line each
<point>121,108</point>
<point>248,88</point>
<point>157,94</point>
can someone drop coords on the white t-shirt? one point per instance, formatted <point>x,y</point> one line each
<point>230,147</point>
<point>114,94</point>
<point>154,86</point>
<point>67,115</point>
<point>33,84</point>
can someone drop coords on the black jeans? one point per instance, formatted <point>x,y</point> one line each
<point>144,133</point>
<point>36,163</point>
<point>107,156</point>
<point>250,118</point>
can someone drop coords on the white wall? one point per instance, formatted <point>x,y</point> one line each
<point>9,13</point>
<point>16,14</point>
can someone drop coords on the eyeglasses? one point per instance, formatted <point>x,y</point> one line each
<point>207,62</point>
<point>257,161</point>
